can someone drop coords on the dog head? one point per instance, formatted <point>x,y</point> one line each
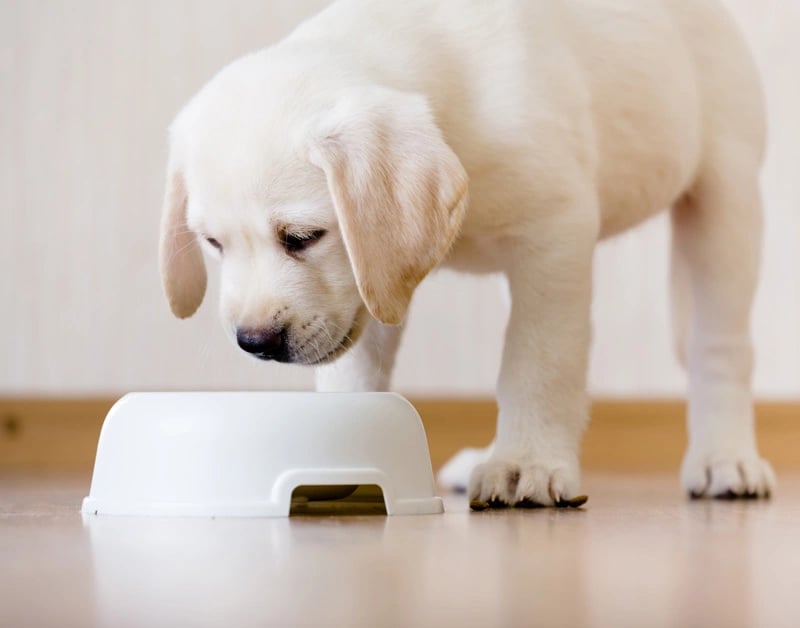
<point>324,201</point>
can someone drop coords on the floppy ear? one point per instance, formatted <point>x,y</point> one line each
<point>399,191</point>
<point>183,273</point>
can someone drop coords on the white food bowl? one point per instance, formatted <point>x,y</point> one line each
<point>243,454</point>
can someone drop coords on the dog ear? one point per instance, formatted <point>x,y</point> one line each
<point>183,273</point>
<point>399,192</point>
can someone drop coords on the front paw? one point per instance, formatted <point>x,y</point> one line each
<point>744,475</point>
<point>526,481</point>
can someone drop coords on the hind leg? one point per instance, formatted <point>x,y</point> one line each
<point>716,244</point>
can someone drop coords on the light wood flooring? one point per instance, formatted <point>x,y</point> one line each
<point>637,555</point>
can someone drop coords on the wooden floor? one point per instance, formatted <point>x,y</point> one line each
<point>638,555</point>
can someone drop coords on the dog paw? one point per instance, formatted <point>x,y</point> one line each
<point>745,476</point>
<point>525,482</point>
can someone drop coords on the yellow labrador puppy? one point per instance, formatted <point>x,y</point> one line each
<point>331,172</point>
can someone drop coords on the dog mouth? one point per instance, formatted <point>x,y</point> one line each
<point>332,355</point>
<point>316,358</point>
<point>314,342</point>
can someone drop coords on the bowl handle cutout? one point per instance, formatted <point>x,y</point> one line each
<point>337,499</point>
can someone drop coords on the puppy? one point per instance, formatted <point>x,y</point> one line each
<point>331,172</point>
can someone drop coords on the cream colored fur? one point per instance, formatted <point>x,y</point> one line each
<point>504,136</point>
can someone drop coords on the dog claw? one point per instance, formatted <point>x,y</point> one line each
<point>494,503</point>
<point>575,502</point>
<point>497,503</point>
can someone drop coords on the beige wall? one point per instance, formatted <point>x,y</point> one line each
<point>87,89</point>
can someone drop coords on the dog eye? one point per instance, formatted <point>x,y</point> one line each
<point>215,243</point>
<point>296,242</point>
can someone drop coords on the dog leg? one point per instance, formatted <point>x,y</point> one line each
<point>455,473</point>
<point>542,386</point>
<point>367,366</point>
<point>717,236</point>
<point>680,297</point>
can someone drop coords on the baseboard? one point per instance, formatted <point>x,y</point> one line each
<point>623,435</point>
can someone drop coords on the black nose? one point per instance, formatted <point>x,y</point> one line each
<point>266,344</point>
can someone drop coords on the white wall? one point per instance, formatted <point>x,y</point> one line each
<point>87,89</point>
